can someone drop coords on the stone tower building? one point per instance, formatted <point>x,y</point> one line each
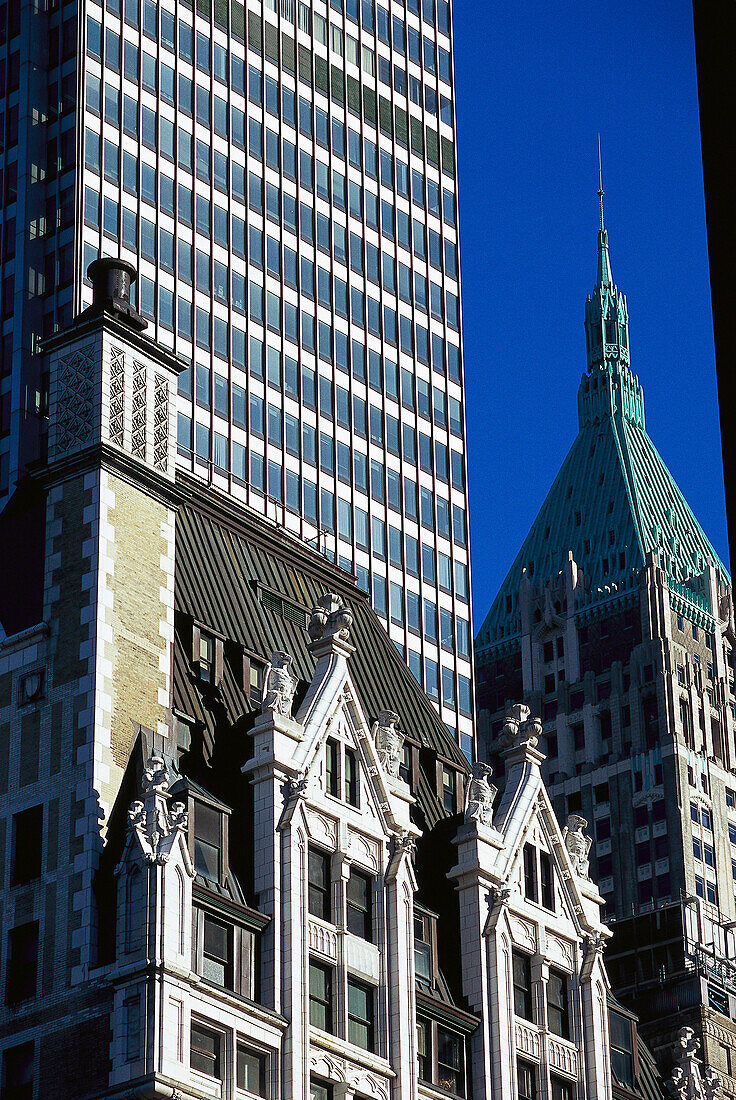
<point>615,623</point>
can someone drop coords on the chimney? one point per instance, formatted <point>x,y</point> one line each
<point>111,282</point>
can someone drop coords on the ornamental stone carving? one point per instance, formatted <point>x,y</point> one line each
<point>330,618</point>
<point>154,823</point>
<point>481,795</point>
<point>278,684</point>
<point>160,423</point>
<point>577,843</point>
<point>519,730</point>
<point>389,742</point>
<point>712,1085</point>
<point>686,1081</point>
<point>138,434</point>
<point>117,396</point>
<point>405,843</point>
<point>499,895</point>
<point>596,943</point>
<point>297,787</point>
<point>75,396</point>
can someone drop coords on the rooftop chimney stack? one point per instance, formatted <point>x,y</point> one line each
<point>111,282</point>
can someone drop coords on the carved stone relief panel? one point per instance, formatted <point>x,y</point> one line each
<point>363,850</point>
<point>321,828</point>
<point>138,437</point>
<point>561,951</point>
<point>523,933</point>
<point>117,396</point>
<point>75,395</point>
<point>160,423</point>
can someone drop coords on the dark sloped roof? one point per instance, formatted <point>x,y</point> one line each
<point>225,558</point>
<point>650,1084</point>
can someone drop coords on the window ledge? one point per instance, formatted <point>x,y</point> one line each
<point>333,1043</point>
<point>426,1088</point>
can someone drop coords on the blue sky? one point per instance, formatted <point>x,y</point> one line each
<point>535,83</point>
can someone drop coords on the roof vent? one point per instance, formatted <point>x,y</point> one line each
<point>111,280</point>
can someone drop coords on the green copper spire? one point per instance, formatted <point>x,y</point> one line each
<point>604,260</point>
<point>609,386</point>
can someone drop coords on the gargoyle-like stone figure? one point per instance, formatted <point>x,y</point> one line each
<point>389,741</point>
<point>406,842</point>
<point>686,1081</point>
<point>577,843</point>
<point>296,787</point>
<point>278,684</point>
<point>330,618</point>
<point>712,1084</point>
<point>500,894</point>
<point>481,795</point>
<point>152,820</point>
<point>519,729</point>
<point>596,943</point>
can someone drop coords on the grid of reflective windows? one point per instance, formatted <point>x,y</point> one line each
<point>304,165</point>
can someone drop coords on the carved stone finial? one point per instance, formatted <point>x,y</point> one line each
<point>712,1084</point>
<point>278,684</point>
<point>153,821</point>
<point>389,741</point>
<point>686,1081</point>
<point>481,795</point>
<point>577,843</point>
<point>155,776</point>
<point>519,729</point>
<point>330,619</point>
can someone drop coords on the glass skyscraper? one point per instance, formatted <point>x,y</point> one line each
<point>282,174</point>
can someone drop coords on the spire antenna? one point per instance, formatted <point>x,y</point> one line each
<point>601,192</point>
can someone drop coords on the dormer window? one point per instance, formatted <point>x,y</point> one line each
<point>531,892</point>
<point>351,777</point>
<point>449,788</point>
<point>405,763</point>
<point>332,767</point>
<point>206,659</point>
<point>208,841</point>
<point>546,881</point>
<point>342,781</point>
<point>538,877</point>
<point>423,947</point>
<point>622,1048</point>
<point>207,654</point>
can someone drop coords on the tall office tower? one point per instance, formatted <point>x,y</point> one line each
<point>615,623</point>
<point>283,177</point>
